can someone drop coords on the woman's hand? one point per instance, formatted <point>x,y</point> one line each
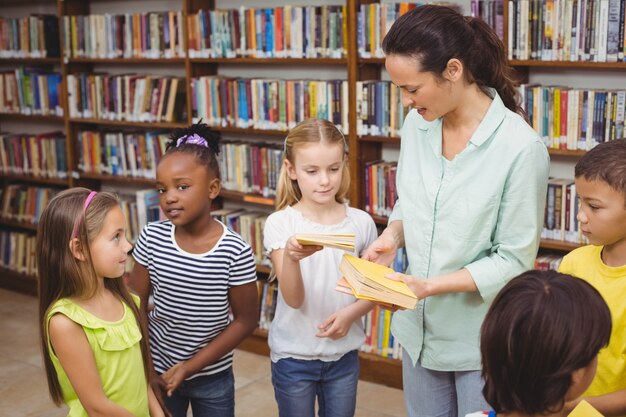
<point>295,251</point>
<point>382,250</point>
<point>420,287</point>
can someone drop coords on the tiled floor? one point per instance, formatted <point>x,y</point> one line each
<point>23,391</point>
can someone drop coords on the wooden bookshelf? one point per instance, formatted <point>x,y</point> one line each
<point>558,245</point>
<point>19,282</point>
<point>18,225</point>
<point>363,149</point>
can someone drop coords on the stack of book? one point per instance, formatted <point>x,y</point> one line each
<point>368,280</point>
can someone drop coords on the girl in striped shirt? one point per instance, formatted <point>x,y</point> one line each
<point>202,279</point>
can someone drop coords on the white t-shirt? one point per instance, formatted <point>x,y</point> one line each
<point>292,332</point>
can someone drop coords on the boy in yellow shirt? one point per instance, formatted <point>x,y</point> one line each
<point>601,185</point>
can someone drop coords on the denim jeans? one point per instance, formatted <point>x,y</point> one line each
<point>210,396</point>
<point>298,382</point>
<point>429,393</point>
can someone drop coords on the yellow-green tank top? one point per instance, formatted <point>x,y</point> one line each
<point>117,352</point>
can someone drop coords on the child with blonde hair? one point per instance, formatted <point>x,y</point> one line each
<point>316,330</point>
<point>95,350</point>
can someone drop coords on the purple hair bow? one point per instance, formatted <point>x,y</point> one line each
<point>194,139</point>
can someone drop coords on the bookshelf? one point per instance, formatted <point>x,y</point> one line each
<point>364,149</point>
<point>374,368</point>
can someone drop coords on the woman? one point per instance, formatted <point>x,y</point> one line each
<point>471,181</point>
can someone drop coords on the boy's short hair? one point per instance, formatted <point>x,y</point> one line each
<point>542,326</point>
<point>606,162</point>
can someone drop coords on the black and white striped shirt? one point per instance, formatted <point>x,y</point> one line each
<point>190,293</point>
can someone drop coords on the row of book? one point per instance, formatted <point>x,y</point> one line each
<point>492,12</point>
<point>123,154</point>
<point>40,155</point>
<point>251,168</point>
<point>268,103</point>
<point>379,109</point>
<point>548,261</point>
<point>567,30</point>
<point>249,225</point>
<point>17,252</point>
<point>380,192</point>
<point>569,118</point>
<point>34,36</point>
<point>560,218</point>
<point>138,35</point>
<point>374,21</point>
<point>139,208</point>
<point>23,203</point>
<point>131,97</point>
<point>31,91</point>
<point>278,32</point>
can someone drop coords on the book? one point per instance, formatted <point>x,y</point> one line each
<point>367,280</point>
<point>584,409</point>
<point>337,241</point>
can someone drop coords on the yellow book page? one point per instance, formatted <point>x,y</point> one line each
<point>584,409</point>
<point>377,273</point>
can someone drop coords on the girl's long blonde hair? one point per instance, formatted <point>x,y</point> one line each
<point>309,131</point>
<point>61,275</point>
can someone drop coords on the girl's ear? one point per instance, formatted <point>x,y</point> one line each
<point>215,186</point>
<point>291,170</point>
<point>76,249</point>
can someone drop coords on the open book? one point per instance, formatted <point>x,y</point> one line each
<point>337,241</point>
<point>584,409</point>
<point>367,280</point>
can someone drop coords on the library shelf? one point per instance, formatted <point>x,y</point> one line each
<point>379,139</point>
<point>567,64</point>
<point>247,198</point>
<point>374,368</point>
<point>118,179</point>
<point>376,61</point>
<point>271,61</point>
<point>19,117</point>
<point>142,125</point>
<point>381,220</point>
<point>18,225</point>
<point>230,129</point>
<point>17,281</point>
<point>147,61</point>
<point>263,269</point>
<point>566,152</point>
<point>30,61</point>
<point>62,182</point>
<point>558,245</point>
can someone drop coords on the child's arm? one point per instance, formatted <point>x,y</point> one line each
<point>612,404</point>
<point>286,263</point>
<point>244,303</point>
<point>338,324</point>
<point>156,408</point>
<point>72,348</point>
<point>139,283</point>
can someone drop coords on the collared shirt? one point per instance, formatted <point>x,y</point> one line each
<point>482,211</point>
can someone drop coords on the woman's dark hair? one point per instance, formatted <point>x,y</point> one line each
<point>206,155</point>
<point>542,326</point>
<point>435,34</point>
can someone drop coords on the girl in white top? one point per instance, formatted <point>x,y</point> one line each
<point>316,330</point>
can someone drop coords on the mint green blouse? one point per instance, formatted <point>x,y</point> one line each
<point>482,211</point>
<point>117,351</point>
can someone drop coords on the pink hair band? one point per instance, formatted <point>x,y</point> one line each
<point>85,205</point>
